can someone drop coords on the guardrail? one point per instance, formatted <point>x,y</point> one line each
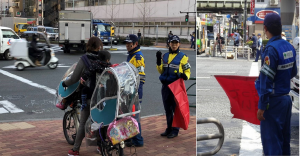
<point>237,51</point>
<point>191,78</point>
<point>219,136</point>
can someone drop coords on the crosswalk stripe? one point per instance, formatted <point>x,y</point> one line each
<point>10,107</point>
<point>2,110</point>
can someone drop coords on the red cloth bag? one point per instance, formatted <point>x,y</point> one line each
<point>182,111</point>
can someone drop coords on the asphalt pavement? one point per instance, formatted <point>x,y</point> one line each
<point>32,91</point>
<point>213,102</point>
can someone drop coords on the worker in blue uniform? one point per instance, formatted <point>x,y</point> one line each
<point>172,66</point>
<point>273,87</point>
<point>135,57</point>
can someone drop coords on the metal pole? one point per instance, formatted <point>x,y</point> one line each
<point>156,34</point>
<point>42,12</point>
<point>245,19</point>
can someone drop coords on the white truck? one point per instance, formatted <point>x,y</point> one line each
<point>75,29</point>
<point>19,25</point>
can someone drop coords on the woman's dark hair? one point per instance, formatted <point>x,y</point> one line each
<point>93,44</point>
<point>275,29</point>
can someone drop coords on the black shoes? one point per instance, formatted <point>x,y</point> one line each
<point>164,134</point>
<point>172,135</point>
<point>169,135</point>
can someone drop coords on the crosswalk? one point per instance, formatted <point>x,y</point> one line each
<point>8,107</point>
<point>121,48</point>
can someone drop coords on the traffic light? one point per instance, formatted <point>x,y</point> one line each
<point>186,18</point>
<point>112,31</point>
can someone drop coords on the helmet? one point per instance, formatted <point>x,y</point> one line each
<point>296,42</point>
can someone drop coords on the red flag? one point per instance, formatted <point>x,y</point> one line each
<point>242,95</point>
<point>182,111</point>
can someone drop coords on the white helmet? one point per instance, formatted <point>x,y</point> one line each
<point>296,42</point>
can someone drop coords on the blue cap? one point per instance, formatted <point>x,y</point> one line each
<point>272,18</point>
<point>258,34</point>
<point>175,38</point>
<point>131,38</point>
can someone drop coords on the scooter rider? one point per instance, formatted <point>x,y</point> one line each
<point>273,87</point>
<point>172,66</point>
<point>34,51</point>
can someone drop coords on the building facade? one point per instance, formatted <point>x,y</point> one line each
<point>152,17</point>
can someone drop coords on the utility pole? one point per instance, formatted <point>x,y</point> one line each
<point>245,19</point>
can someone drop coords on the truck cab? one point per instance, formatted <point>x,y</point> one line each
<point>20,27</point>
<point>6,36</point>
<point>104,30</point>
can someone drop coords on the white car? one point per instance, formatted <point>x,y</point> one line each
<point>6,36</point>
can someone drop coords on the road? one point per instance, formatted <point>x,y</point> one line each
<point>213,102</point>
<point>29,93</point>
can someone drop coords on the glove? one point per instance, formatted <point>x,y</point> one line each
<point>158,58</point>
<point>64,85</point>
<point>183,76</point>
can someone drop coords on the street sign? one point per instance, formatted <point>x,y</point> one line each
<point>252,7</point>
<point>260,13</point>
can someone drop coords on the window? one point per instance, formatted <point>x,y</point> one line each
<point>260,1</point>
<point>9,34</point>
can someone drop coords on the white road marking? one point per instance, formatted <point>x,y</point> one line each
<point>13,67</point>
<point>10,107</point>
<point>2,110</point>
<point>203,77</point>
<point>251,141</point>
<point>221,72</point>
<point>51,91</point>
<point>203,89</point>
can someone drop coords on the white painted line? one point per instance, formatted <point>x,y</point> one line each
<point>254,69</point>
<point>222,72</point>
<point>203,89</point>
<point>13,67</point>
<point>203,77</point>
<point>51,91</point>
<point>117,52</point>
<point>2,110</point>
<point>251,141</point>
<point>10,107</point>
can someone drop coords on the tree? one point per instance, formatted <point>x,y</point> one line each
<point>145,12</point>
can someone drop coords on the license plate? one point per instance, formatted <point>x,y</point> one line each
<point>75,45</point>
<point>105,40</point>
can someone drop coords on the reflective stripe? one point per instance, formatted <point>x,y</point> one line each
<point>285,66</point>
<point>165,65</point>
<point>269,69</point>
<point>174,66</point>
<point>141,69</point>
<point>267,73</point>
<point>186,66</point>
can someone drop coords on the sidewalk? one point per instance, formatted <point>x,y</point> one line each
<point>36,138</point>
<point>182,46</point>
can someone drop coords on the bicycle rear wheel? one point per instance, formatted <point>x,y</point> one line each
<point>107,149</point>
<point>69,126</point>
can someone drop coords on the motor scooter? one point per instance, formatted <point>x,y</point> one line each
<point>20,51</point>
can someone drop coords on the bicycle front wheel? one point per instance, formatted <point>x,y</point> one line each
<point>69,126</point>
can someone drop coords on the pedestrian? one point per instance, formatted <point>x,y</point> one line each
<point>93,46</point>
<point>169,36</point>
<point>273,87</point>
<point>259,47</point>
<point>135,57</point>
<point>283,35</point>
<point>193,40</point>
<point>238,36</point>
<point>254,44</point>
<point>172,66</point>
<point>139,34</point>
<point>236,40</point>
<point>219,42</point>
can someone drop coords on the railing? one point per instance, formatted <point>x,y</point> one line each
<point>234,51</point>
<point>219,136</point>
<point>191,78</point>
